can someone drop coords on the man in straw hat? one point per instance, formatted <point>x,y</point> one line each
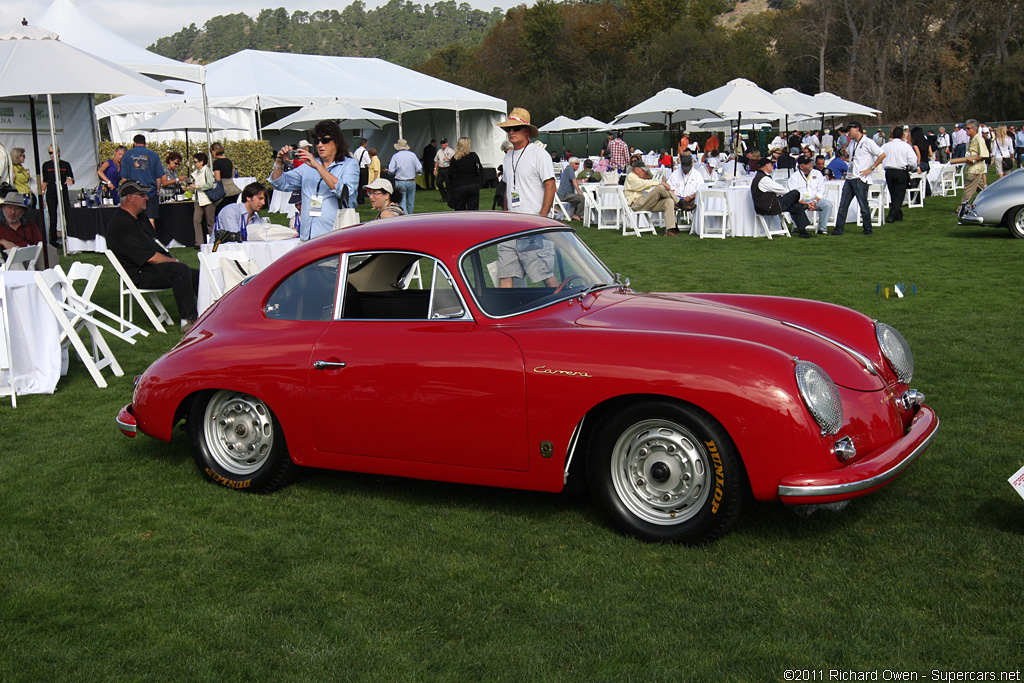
<point>530,188</point>
<point>404,168</point>
<point>15,229</point>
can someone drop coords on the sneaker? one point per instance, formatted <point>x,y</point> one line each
<point>187,324</point>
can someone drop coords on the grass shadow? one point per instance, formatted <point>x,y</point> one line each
<point>1002,514</point>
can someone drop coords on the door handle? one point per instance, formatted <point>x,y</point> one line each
<point>326,365</point>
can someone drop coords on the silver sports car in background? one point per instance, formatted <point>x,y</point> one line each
<point>1001,203</point>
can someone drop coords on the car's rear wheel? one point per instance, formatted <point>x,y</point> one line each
<point>1017,224</point>
<point>237,442</point>
<point>665,472</point>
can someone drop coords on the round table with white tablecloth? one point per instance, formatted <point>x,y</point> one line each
<point>261,253</point>
<point>35,335</point>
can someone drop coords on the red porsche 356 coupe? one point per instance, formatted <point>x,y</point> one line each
<point>497,349</point>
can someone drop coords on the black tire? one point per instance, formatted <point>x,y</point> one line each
<point>665,472</point>
<point>238,443</point>
<point>1016,223</point>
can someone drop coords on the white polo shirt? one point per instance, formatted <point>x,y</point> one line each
<point>899,155</point>
<point>862,155</point>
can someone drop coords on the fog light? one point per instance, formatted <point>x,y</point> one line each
<point>844,449</point>
<point>911,398</point>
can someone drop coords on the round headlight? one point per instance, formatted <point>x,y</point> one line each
<point>820,395</point>
<point>896,350</point>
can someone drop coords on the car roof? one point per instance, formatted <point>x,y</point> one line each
<point>436,233</point>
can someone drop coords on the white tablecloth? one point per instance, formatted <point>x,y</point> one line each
<point>741,204</point>
<point>279,203</point>
<point>35,335</point>
<point>262,253</point>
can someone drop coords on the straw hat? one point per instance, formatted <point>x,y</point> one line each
<point>401,144</point>
<point>520,117</point>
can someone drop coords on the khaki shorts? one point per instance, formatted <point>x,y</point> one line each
<point>529,257</point>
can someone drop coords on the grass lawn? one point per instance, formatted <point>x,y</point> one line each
<point>117,562</point>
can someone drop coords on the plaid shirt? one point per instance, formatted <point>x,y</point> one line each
<point>618,154</point>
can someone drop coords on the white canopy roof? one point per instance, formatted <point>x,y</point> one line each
<point>80,30</point>
<point>254,79</point>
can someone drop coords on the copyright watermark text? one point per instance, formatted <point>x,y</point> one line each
<point>897,675</point>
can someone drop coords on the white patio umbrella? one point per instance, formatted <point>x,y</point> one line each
<point>186,119</point>
<point>666,105</point>
<point>348,115</point>
<point>740,95</point>
<point>33,62</point>
<point>559,124</point>
<point>833,105</point>
<point>589,123</point>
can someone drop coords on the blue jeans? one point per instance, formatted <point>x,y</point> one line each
<point>853,188</point>
<point>408,190</point>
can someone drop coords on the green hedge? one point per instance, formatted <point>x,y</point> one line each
<point>251,157</point>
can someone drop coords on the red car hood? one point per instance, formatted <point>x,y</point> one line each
<point>757,319</point>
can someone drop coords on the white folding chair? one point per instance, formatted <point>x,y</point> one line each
<point>609,208</point>
<point>6,355</point>
<point>706,198</point>
<point>947,181</point>
<point>958,176</point>
<point>915,193</point>
<point>635,223</point>
<point>590,206</point>
<point>833,194</point>
<point>72,313</point>
<point>23,258</point>
<point>558,207</point>
<point>877,203</point>
<point>129,293</point>
<point>232,266</point>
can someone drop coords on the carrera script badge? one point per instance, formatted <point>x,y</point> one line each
<point>544,370</point>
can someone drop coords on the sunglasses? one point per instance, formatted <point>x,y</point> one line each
<point>374,193</point>
<point>515,129</point>
<point>322,141</point>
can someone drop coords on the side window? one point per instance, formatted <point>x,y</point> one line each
<point>306,294</point>
<point>398,286</point>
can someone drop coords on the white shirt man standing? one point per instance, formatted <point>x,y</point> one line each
<point>442,160</point>
<point>899,159</point>
<point>529,179</point>
<point>944,145</point>
<point>362,157</point>
<point>865,156</point>
<point>810,183</point>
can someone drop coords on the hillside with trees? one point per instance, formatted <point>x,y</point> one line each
<point>916,60</point>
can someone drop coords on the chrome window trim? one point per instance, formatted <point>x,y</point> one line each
<point>861,358</point>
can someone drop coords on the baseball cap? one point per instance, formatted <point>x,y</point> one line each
<point>133,187</point>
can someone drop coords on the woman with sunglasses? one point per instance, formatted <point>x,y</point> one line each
<point>328,181</point>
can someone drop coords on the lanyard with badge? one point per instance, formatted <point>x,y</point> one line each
<point>514,197</point>
<point>316,202</point>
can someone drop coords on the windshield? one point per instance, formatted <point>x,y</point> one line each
<point>531,270</point>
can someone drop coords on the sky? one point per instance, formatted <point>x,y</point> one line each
<point>143,21</point>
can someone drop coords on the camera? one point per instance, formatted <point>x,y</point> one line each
<point>294,154</point>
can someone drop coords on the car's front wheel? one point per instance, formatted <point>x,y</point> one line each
<point>237,442</point>
<point>1017,224</point>
<point>665,472</point>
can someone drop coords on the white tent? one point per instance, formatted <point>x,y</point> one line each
<point>246,86</point>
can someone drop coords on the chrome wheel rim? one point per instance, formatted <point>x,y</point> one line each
<point>1018,223</point>
<point>239,431</point>
<point>660,471</point>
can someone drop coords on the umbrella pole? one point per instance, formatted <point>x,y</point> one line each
<point>206,115</point>
<point>57,181</point>
<point>739,143</point>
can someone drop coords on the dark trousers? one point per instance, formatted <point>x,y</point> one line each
<point>442,183</point>
<point>464,197</point>
<point>791,202</point>
<point>364,178</point>
<point>853,187</point>
<point>897,180</point>
<point>428,174</point>
<point>51,209</point>
<point>182,280</point>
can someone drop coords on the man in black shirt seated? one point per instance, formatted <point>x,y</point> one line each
<point>772,198</point>
<point>133,240</point>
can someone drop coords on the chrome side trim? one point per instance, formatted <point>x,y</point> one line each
<point>571,451</point>
<point>861,358</point>
<point>853,486</point>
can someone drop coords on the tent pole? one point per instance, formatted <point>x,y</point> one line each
<point>206,114</point>
<point>259,119</point>
<point>458,122</point>
<point>60,185</point>
<point>39,178</point>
